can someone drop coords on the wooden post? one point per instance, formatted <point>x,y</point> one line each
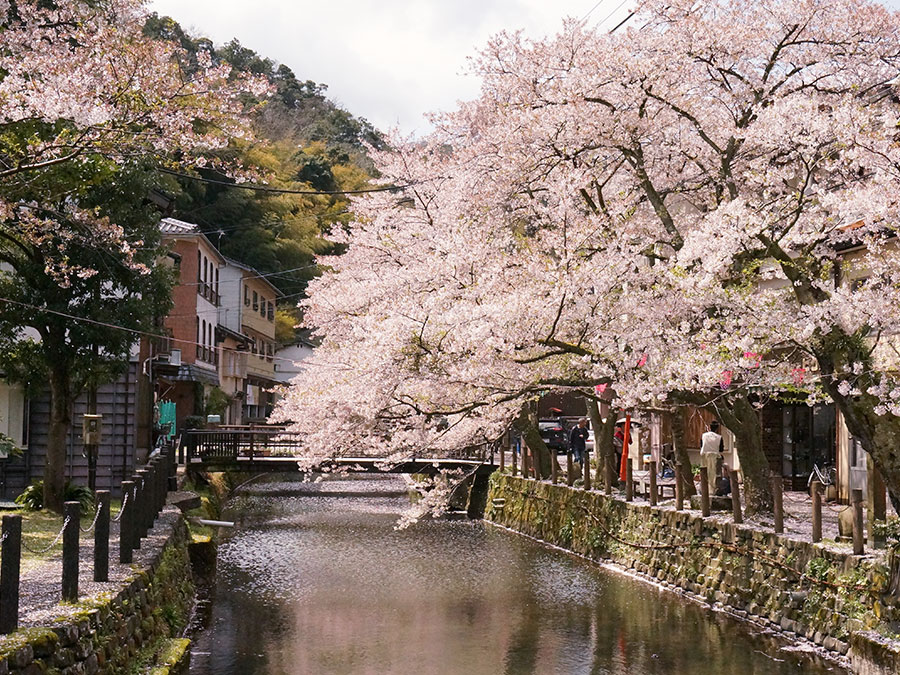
<point>876,503</point>
<point>502,458</point>
<point>586,465</point>
<point>11,557</point>
<point>554,472</point>
<point>816,494</point>
<point>71,529</point>
<point>515,461</point>
<point>144,510</point>
<point>856,497</point>
<point>101,537</point>
<point>778,503</point>
<point>126,522</point>
<point>704,491</point>
<point>629,482</point>
<point>736,498</point>
<point>679,487</point>
<point>609,474</point>
<point>653,490</point>
<point>570,469</point>
<point>137,517</point>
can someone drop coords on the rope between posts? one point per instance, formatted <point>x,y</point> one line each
<point>96,518</point>
<point>52,543</point>
<point>122,510</point>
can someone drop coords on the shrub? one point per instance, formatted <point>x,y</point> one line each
<point>32,497</point>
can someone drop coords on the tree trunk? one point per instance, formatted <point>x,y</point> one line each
<point>743,420</point>
<point>527,424</point>
<point>603,442</point>
<point>681,453</point>
<point>60,423</point>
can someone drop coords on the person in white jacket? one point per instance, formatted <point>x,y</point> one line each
<point>712,448</point>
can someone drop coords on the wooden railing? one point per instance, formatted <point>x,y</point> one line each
<point>231,443</point>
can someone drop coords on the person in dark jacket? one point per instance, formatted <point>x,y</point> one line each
<point>577,438</point>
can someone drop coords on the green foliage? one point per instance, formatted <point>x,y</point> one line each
<point>819,568</point>
<point>32,497</point>
<point>308,143</point>
<point>217,402</point>
<point>889,530</point>
<point>194,422</point>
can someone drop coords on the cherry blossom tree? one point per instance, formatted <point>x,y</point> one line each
<point>86,100</point>
<point>702,203</point>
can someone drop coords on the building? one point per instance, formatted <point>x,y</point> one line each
<point>187,366</point>
<point>248,310</point>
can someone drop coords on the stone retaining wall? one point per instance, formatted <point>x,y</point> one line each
<point>113,634</point>
<point>832,598</point>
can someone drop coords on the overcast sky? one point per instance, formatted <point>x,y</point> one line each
<point>389,61</point>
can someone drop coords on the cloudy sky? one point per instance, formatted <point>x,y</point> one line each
<point>389,61</point>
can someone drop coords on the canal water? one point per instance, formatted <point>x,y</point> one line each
<point>315,579</point>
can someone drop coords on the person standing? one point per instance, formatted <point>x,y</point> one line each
<point>712,447</point>
<point>577,438</point>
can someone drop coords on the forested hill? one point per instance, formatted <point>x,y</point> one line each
<point>308,143</point>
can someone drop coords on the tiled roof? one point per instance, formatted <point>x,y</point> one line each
<point>174,226</point>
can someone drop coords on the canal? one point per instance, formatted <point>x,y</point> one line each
<point>316,579</point>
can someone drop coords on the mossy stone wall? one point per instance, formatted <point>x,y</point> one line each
<point>832,598</point>
<point>122,633</point>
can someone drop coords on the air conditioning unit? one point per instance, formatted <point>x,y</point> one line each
<point>175,357</point>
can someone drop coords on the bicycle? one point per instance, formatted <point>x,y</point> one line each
<point>826,475</point>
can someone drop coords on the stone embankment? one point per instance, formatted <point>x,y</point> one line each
<point>846,604</point>
<point>133,628</point>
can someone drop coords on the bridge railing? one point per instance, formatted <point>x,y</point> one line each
<point>226,444</point>
<point>222,445</point>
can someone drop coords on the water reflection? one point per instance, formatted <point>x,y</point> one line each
<point>316,580</point>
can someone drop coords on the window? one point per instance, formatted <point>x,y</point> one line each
<point>255,301</point>
<point>246,295</point>
<point>271,314</point>
<point>262,306</point>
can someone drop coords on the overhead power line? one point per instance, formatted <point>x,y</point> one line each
<point>281,191</point>
<point>134,331</point>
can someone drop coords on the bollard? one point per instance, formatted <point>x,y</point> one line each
<point>526,467</point>
<point>629,482</point>
<point>137,513</point>
<point>778,503</point>
<point>704,491</point>
<point>816,493</point>
<point>554,468</point>
<point>71,513</point>
<point>502,460</point>
<point>515,463</point>
<point>101,537</point>
<point>856,498</point>
<point>586,465</point>
<point>144,509</point>
<point>608,475</point>
<point>736,498</point>
<point>679,487</point>
<point>570,470</point>
<point>11,555</point>
<point>653,491</point>
<point>126,522</point>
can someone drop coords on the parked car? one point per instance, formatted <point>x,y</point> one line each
<point>554,434</point>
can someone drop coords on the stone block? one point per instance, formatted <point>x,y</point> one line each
<point>21,657</point>
<point>64,657</point>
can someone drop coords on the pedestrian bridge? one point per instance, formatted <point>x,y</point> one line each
<point>274,450</point>
<point>278,451</point>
